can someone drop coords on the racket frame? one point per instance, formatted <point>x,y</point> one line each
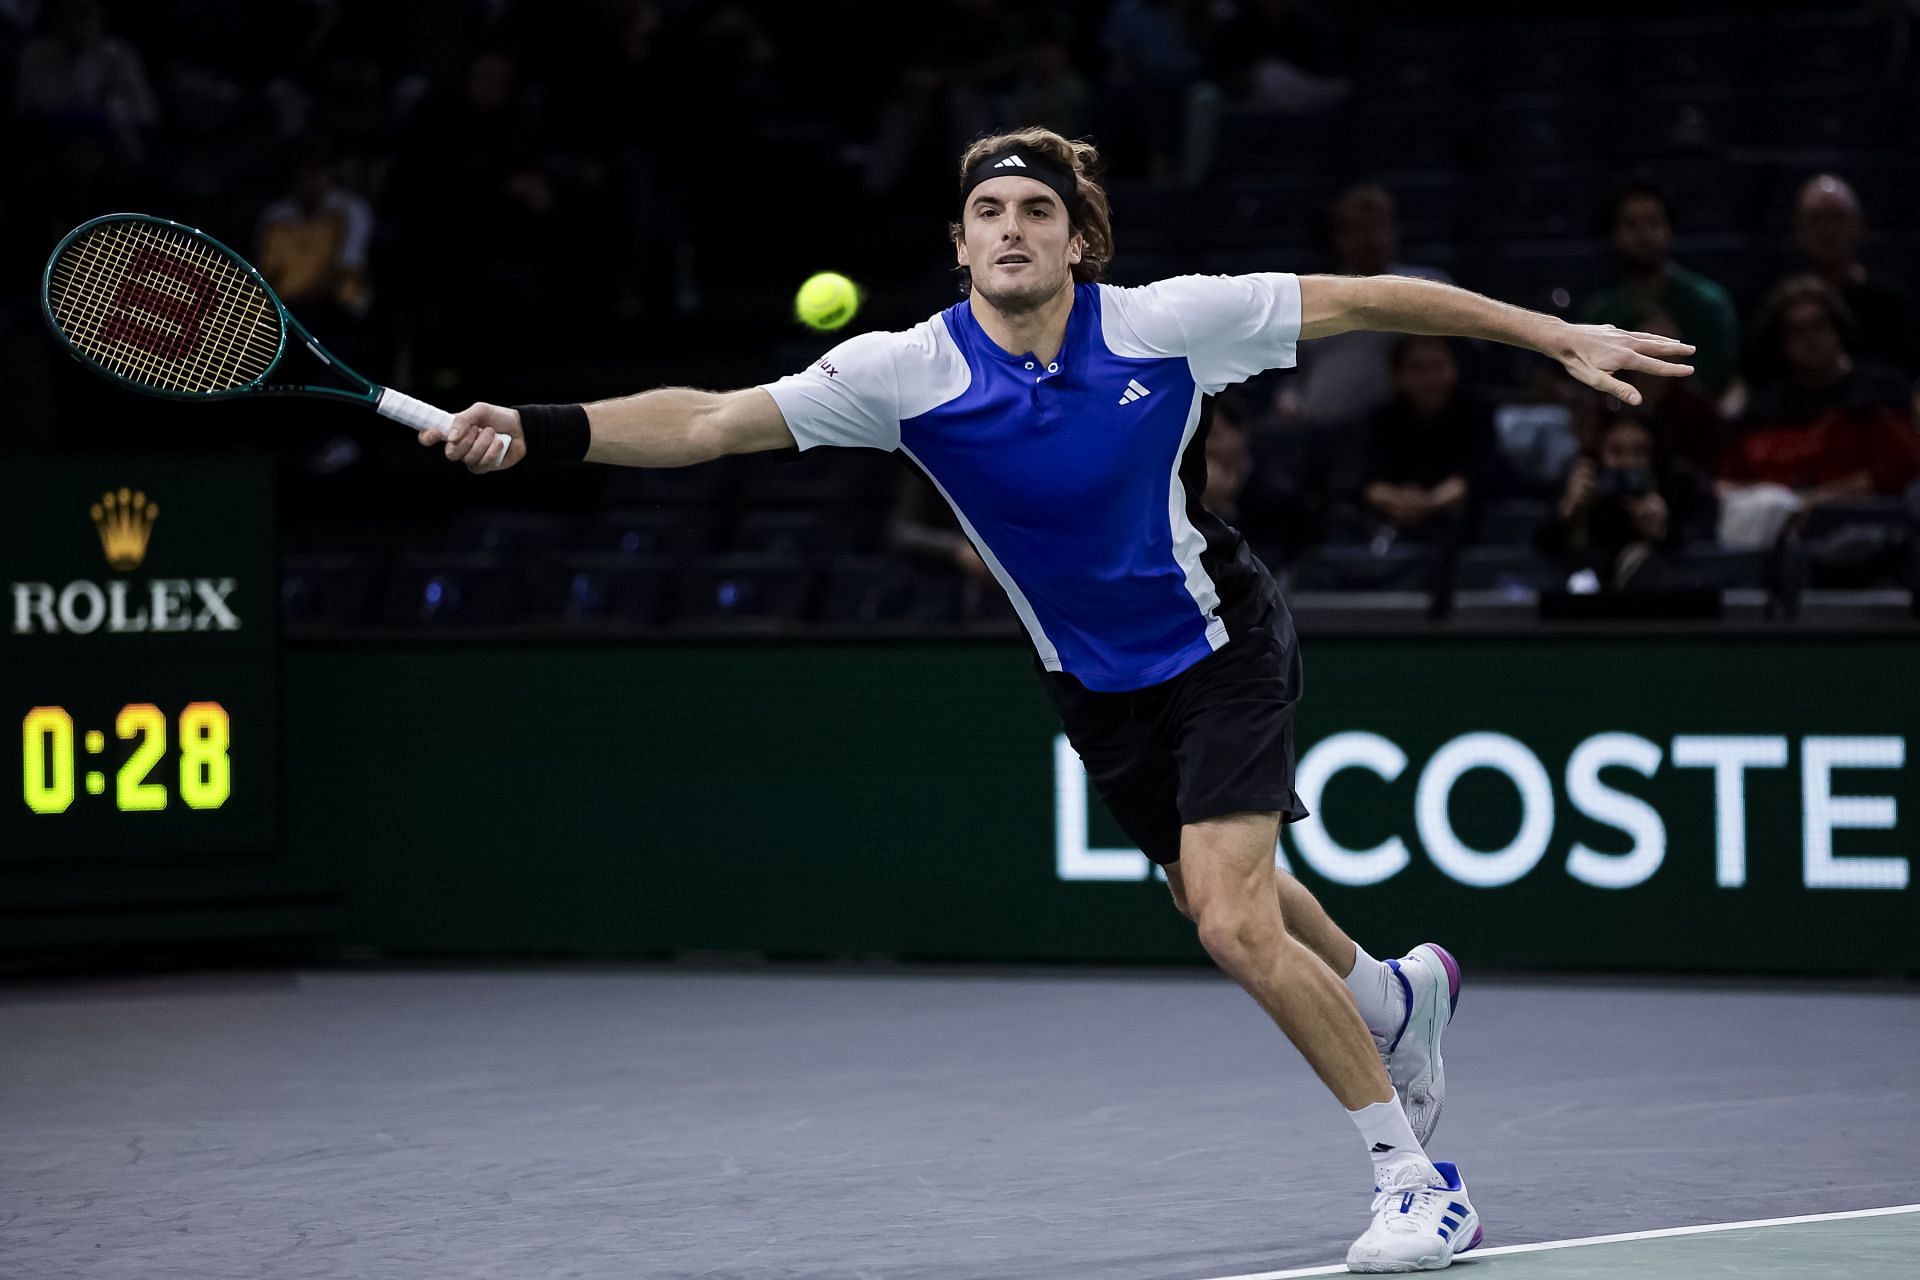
<point>369,394</point>
<point>415,415</point>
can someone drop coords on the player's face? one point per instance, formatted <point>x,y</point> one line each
<point>1017,243</point>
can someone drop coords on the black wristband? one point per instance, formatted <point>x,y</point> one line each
<point>555,432</point>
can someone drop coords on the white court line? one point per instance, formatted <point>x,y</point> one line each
<point>1660,1234</point>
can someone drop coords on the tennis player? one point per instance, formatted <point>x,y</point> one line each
<point>1065,421</point>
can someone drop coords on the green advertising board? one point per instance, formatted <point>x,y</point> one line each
<point>1713,802</point>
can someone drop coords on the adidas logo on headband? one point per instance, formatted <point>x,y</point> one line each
<point>1011,162</point>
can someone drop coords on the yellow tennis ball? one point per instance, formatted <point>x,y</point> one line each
<point>826,301</point>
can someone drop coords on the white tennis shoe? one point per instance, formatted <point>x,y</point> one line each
<point>1431,978</point>
<point>1417,1225</point>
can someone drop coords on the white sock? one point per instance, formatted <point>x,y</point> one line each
<point>1383,999</point>
<point>1383,1127</point>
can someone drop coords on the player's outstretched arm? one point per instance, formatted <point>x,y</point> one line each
<point>1593,353</point>
<point>670,427</point>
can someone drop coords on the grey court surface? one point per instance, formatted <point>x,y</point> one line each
<point>665,1124</point>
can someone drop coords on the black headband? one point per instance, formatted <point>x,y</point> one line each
<point>1017,162</point>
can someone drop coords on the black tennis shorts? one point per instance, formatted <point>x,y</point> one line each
<point>1216,739</point>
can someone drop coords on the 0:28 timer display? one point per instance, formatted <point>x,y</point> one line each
<point>138,760</point>
<point>158,759</point>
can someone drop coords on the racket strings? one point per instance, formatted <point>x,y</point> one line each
<point>162,309</point>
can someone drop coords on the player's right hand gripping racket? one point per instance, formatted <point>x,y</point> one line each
<point>169,311</point>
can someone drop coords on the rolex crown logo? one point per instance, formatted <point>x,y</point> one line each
<point>125,520</point>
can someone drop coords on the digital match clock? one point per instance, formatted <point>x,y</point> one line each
<point>138,708</point>
<point>50,761</point>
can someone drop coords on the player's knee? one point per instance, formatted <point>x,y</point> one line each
<point>1233,935</point>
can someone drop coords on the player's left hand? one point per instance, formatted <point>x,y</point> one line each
<point>1594,352</point>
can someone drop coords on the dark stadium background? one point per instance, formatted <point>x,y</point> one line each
<point>584,198</point>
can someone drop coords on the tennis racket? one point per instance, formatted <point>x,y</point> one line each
<point>167,310</point>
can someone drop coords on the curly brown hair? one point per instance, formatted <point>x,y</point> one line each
<point>1093,219</point>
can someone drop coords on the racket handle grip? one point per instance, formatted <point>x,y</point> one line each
<point>415,414</point>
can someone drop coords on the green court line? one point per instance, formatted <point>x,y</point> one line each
<point>1859,1242</point>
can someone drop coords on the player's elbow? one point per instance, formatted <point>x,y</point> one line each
<point>1339,304</point>
<point>738,422</point>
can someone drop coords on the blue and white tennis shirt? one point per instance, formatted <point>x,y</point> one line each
<point>1078,481</point>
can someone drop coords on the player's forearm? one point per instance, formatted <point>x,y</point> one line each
<point>1401,304</point>
<point>667,427</point>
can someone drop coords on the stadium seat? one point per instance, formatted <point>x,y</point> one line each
<point>1268,214</point>
<point>1889,513</point>
<point>803,535</point>
<point>450,589</point>
<point>1847,44</point>
<point>582,588</point>
<point>1849,113</point>
<point>1513,522</point>
<point>813,479</point>
<point>1413,62</point>
<point>1430,204</point>
<point>1555,198</point>
<point>1689,120</point>
<point>1547,56</point>
<point>329,588</point>
<point>1723,568</point>
<point>1342,567</point>
<point>1413,132</point>
<point>1539,128</point>
<point>744,591</point>
<point>704,485</point>
<point>862,590</point>
<point>509,531</point>
<point>1514,571</point>
<point>651,531</point>
<point>1684,51</point>
<point>1549,275</point>
<point>1537,443</point>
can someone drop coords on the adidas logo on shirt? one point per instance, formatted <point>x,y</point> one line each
<point>1011,162</point>
<point>1134,392</point>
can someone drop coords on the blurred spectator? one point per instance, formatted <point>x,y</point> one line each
<point>1826,229</point>
<point>78,70</point>
<point>1686,423</point>
<point>728,73</point>
<point>1627,504</point>
<point>1430,457</point>
<point>1229,461</point>
<point>1344,378</point>
<point>482,144</point>
<point>1642,233</point>
<point>1048,90</point>
<point>956,64</point>
<point>1283,55</point>
<point>924,528</point>
<point>623,155</point>
<point>313,241</point>
<point>1155,59</point>
<point>1820,427</point>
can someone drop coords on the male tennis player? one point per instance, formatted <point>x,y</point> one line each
<point>1065,421</point>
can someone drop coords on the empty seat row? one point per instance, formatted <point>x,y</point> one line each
<point>332,591</point>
